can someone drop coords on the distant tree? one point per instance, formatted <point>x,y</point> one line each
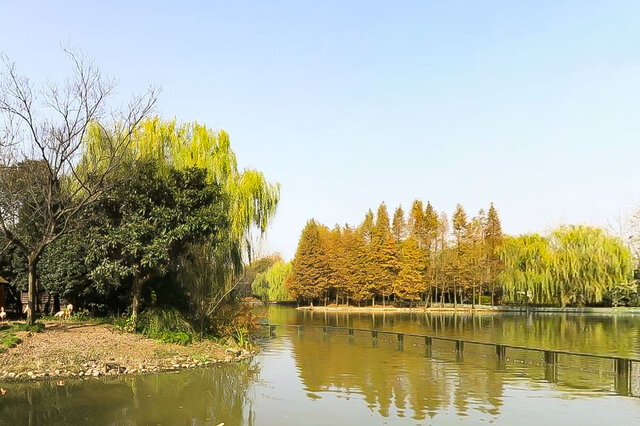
<point>410,282</point>
<point>368,227</point>
<point>399,225</point>
<point>416,223</point>
<point>384,254</point>
<point>310,268</point>
<point>270,285</point>
<point>493,241</point>
<point>461,267</point>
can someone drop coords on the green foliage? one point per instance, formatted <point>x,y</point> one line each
<point>269,285</point>
<point>574,265</point>
<point>165,324</point>
<point>34,328</point>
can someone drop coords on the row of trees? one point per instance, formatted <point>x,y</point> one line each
<point>112,208</point>
<point>575,265</point>
<point>423,257</point>
<point>429,258</point>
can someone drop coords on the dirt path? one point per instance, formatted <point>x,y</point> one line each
<point>78,350</point>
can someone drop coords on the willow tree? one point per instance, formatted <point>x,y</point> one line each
<point>574,265</point>
<point>251,201</point>
<point>588,264</point>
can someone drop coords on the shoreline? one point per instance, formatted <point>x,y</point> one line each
<point>476,309</point>
<point>88,351</point>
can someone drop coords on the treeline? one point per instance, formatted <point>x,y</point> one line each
<point>423,257</point>
<point>430,259</point>
<point>573,265</point>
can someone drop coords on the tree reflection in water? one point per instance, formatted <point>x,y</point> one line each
<point>409,383</point>
<point>197,397</point>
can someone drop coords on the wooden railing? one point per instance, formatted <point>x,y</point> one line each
<point>622,365</point>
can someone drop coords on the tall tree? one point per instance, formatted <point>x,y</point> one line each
<point>416,222</point>
<point>45,182</point>
<point>310,269</point>
<point>460,232</point>
<point>399,225</point>
<point>385,254</point>
<point>493,240</point>
<point>410,282</point>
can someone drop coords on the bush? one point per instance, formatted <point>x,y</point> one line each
<point>165,324</point>
<point>36,328</point>
<point>235,320</point>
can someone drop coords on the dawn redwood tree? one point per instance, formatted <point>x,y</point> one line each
<point>385,254</point>
<point>493,240</point>
<point>45,184</point>
<point>310,268</point>
<point>410,282</point>
<point>416,223</point>
<point>399,226</point>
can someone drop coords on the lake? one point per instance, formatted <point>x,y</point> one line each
<point>309,377</point>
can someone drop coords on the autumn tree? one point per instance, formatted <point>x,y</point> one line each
<point>399,227</point>
<point>410,282</point>
<point>310,269</point>
<point>385,254</point>
<point>493,240</point>
<point>459,225</point>
<point>416,223</point>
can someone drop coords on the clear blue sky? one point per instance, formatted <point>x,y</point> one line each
<point>532,105</point>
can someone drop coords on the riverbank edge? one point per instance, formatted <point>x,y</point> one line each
<point>476,309</point>
<point>91,369</point>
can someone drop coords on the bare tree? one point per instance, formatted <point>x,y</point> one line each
<point>46,178</point>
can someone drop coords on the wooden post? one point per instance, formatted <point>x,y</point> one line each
<point>428,343</point>
<point>351,332</point>
<point>623,376</point>
<point>550,357</point>
<point>272,331</point>
<point>501,351</point>
<point>459,350</point>
<point>400,341</point>
<point>551,366</point>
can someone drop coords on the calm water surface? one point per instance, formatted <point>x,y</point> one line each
<point>312,378</point>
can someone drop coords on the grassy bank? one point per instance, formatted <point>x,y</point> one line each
<point>477,308</point>
<point>93,349</point>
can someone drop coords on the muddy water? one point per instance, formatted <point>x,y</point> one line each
<point>309,377</point>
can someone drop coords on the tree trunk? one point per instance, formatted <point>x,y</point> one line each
<point>135,303</point>
<point>31,289</point>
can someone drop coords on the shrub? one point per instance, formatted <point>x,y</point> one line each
<point>237,321</point>
<point>165,324</point>
<point>36,328</point>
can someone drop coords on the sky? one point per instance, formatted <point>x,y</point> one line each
<point>531,105</point>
